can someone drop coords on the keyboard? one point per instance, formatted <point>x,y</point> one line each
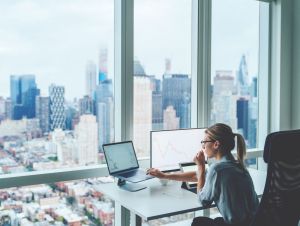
<point>136,173</point>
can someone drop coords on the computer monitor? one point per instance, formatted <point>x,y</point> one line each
<point>171,147</point>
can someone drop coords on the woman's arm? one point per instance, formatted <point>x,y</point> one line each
<point>200,161</point>
<point>178,176</point>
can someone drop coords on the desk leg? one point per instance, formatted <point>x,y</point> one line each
<point>135,220</point>
<point>122,215</point>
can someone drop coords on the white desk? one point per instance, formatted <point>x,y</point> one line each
<point>157,201</point>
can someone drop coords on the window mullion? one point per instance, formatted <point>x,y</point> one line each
<point>201,58</point>
<point>123,69</point>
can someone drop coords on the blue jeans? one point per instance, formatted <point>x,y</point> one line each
<point>219,221</point>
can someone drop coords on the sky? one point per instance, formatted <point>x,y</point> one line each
<point>54,39</point>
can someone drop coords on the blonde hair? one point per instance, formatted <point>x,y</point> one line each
<point>223,133</point>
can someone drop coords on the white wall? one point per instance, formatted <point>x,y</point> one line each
<point>296,67</point>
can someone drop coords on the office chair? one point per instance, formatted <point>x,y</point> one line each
<point>280,203</point>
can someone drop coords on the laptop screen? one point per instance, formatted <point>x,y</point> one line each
<point>120,156</point>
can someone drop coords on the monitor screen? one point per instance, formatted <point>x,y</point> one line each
<point>171,147</point>
<point>120,156</point>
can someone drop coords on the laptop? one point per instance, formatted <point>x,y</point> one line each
<point>122,162</point>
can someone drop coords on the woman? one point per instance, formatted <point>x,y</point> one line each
<point>227,181</point>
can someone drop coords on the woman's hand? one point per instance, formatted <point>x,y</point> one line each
<point>199,159</point>
<point>156,173</point>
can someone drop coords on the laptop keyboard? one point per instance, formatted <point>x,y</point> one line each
<point>133,173</point>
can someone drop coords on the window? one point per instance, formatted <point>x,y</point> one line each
<point>162,68</point>
<point>56,91</point>
<point>234,66</point>
<point>62,203</point>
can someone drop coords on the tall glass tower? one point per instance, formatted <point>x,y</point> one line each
<point>57,107</point>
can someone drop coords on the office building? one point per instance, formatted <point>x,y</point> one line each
<point>102,65</point>
<point>90,79</point>
<point>105,112</point>
<point>243,78</point>
<point>43,113</point>
<point>170,119</point>
<point>142,115</point>
<point>86,105</point>
<point>176,92</point>
<point>105,122</point>
<point>57,107</point>
<point>86,136</point>
<point>243,116</point>
<point>224,98</point>
<point>23,92</point>
<point>2,106</point>
<point>8,108</point>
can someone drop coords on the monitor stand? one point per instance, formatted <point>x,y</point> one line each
<point>132,187</point>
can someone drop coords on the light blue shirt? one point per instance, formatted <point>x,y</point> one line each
<point>231,188</point>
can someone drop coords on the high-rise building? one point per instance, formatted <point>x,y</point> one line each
<point>2,109</point>
<point>57,107</point>
<point>252,127</point>
<point>157,111</point>
<point>176,92</point>
<point>104,112</point>
<point>167,66</point>
<point>105,121</point>
<point>15,90</point>
<point>170,119</point>
<point>90,79</point>
<point>43,113</point>
<point>103,65</point>
<point>8,108</point>
<point>2,106</point>
<point>86,105</point>
<point>142,115</point>
<point>243,78</point>
<point>71,114</point>
<point>23,91</point>
<point>243,116</point>
<point>87,140</point>
<point>224,99</point>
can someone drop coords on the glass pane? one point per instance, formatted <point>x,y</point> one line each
<point>234,66</point>
<point>56,90</point>
<point>62,203</point>
<point>162,68</point>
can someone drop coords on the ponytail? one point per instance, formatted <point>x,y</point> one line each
<point>241,149</point>
<point>223,133</point>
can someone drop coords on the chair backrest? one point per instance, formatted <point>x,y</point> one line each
<point>280,203</point>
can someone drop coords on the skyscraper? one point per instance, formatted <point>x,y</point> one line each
<point>102,65</point>
<point>142,115</point>
<point>176,92</point>
<point>8,108</point>
<point>243,78</point>
<point>104,112</point>
<point>170,119</point>
<point>224,99</point>
<point>57,107</point>
<point>43,112</point>
<point>105,121</point>
<point>23,91</point>
<point>157,111</point>
<point>243,116</point>
<point>87,140</point>
<point>86,105</point>
<point>90,79</point>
